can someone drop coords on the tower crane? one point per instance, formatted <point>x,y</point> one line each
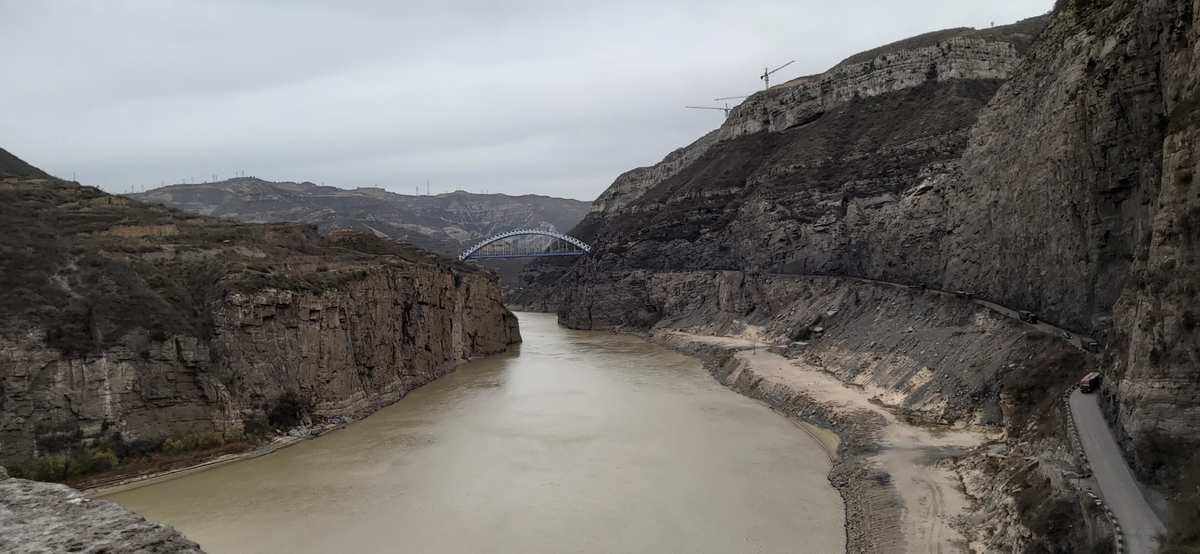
<point>766,76</point>
<point>725,109</point>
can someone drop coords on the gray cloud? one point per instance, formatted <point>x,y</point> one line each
<point>546,97</point>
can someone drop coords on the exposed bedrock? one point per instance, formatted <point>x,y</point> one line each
<point>45,517</point>
<point>1047,166</point>
<point>940,363</point>
<point>938,357</point>
<point>1156,351</point>
<point>344,352</point>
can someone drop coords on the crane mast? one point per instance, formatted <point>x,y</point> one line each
<point>767,72</point>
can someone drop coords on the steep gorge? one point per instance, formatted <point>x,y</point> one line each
<point>128,326</point>
<point>1046,166</point>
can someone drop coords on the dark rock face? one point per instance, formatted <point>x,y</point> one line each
<point>934,356</point>
<point>127,323</point>
<point>849,177</point>
<point>1052,174</point>
<point>44,517</point>
<point>345,352</point>
<point>1156,346</point>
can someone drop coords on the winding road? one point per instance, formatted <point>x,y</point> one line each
<point>1139,523</point>
<point>1119,488</point>
<point>1070,337</point>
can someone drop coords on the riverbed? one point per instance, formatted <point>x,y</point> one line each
<point>574,442</point>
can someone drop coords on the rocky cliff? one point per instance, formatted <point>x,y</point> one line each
<point>44,517</point>
<point>127,328</point>
<point>1156,342</point>
<point>1046,166</point>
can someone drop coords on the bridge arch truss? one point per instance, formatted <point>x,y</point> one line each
<point>574,246</point>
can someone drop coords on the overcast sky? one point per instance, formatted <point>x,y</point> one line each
<point>516,97</point>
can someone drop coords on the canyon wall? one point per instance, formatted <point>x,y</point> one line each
<point>1156,346</point>
<point>935,356</point>
<point>346,352</point>
<point>951,55</point>
<point>117,333</point>
<point>1045,166</point>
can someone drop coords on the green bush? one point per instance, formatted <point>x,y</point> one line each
<point>108,454</point>
<point>173,446</point>
<point>45,468</point>
<point>103,460</point>
<point>64,467</point>
<point>193,441</point>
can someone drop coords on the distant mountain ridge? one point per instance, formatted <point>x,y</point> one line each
<point>445,223</point>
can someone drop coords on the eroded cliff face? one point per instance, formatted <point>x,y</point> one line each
<point>1157,344</point>
<point>183,326</point>
<point>937,357</point>
<point>967,55</point>
<point>944,56</point>
<point>368,344</point>
<point>346,351</point>
<point>1052,174</point>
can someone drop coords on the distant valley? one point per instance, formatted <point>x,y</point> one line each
<point>444,223</point>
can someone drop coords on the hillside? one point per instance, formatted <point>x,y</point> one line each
<point>444,223</point>
<point>1046,166</point>
<point>136,333</point>
<point>12,166</point>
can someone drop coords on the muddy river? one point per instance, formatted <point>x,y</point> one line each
<point>578,442</point>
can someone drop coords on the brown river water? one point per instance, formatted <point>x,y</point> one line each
<point>578,442</point>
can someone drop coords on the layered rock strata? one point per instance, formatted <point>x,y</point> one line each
<point>43,517</point>
<point>346,351</point>
<point>948,436</point>
<point>1047,167</point>
<point>125,325</point>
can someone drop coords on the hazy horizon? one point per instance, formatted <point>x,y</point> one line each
<point>420,192</point>
<point>529,98</point>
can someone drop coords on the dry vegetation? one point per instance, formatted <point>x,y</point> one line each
<point>84,271</point>
<point>63,269</point>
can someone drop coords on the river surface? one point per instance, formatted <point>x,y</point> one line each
<point>578,442</point>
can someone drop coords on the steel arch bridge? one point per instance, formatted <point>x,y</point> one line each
<point>563,245</point>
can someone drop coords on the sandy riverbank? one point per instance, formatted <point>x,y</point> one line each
<point>101,487</point>
<point>900,494</point>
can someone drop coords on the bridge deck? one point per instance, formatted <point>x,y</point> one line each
<point>481,256</point>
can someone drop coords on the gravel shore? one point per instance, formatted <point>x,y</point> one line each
<point>900,491</point>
